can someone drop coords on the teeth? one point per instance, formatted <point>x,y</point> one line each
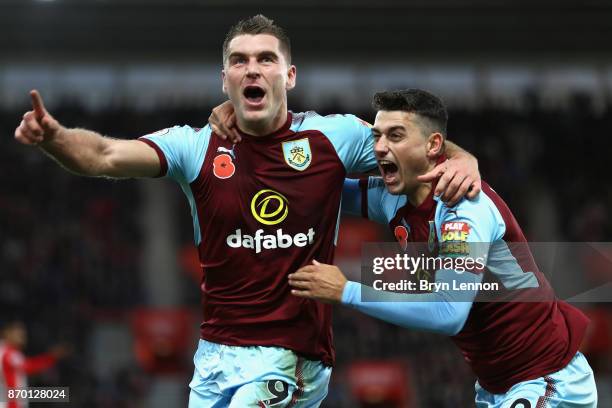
<point>383,162</point>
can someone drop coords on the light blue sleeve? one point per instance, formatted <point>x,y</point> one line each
<point>469,228</point>
<point>382,206</point>
<point>443,312</point>
<point>351,197</point>
<point>464,231</point>
<point>350,136</point>
<point>183,149</point>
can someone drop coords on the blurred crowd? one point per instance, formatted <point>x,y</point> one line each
<point>70,247</point>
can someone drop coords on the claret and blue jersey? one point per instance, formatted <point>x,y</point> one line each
<point>524,333</point>
<point>262,209</point>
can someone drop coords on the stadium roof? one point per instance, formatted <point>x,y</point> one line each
<point>193,30</point>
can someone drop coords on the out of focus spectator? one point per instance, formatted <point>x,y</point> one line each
<point>15,367</point>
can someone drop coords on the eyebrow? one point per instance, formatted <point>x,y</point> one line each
<point>391,129</point>
<point>268,54</point>
<point>236,54</point>
<point>264,53</point>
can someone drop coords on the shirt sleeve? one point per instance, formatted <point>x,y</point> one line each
<point>368,198</point>
<point>181,151</point>
<point>467,230</point>
<point>465,233</point>
<point>353,141</point>
<point>39,363</point>
<point>444,311</point>
<point>352,197</point>
<point>379,203</point>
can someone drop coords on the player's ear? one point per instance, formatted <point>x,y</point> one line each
<point>435,145</point>
<point>223,88</point>
<point>291,76</point>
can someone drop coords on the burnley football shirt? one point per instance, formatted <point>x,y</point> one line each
<point>523,331</point>
<point>262,209</point>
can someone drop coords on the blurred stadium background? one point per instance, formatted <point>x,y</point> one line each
<point>107,266</point>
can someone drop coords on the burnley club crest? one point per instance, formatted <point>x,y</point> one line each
<point>297,154</point>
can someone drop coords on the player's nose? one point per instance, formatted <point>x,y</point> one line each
<point>252,68</point>
<point>380,146</point>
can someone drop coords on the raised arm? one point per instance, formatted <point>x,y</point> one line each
<point>83,151</point>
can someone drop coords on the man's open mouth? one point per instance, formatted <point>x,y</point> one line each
<point>389,171</point>
<point>254,94</point>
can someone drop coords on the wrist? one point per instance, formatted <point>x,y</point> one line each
<point>350,292</point>
<point>52,136</point>
<point>340,292</point>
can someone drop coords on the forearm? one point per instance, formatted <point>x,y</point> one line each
<point>79,151</point>
<point>443,312</point>
<point>429,312</point>
<point>83,151</point>
<point>452,150</point>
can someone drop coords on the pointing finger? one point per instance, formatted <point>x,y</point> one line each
<point>432,174</point>
<point>37,104</point>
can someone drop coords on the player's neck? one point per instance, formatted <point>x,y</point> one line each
<point>419,194</point>
<point>265,126</point>
<point>421,191</point>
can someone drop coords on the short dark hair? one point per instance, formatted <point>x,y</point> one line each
<point>258,24</point>
<point>428,106</point>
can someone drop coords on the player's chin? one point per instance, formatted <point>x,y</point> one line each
<point>395,188</point>
<point>252,115</point>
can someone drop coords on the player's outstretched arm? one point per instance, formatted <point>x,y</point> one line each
<point>443,312</point>
<point>83,151</point>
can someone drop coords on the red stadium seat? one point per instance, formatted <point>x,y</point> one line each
<point>377,384</point>
<point>163,339</point>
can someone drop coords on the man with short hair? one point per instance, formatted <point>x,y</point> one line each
<point>260,209</point>
<point>520,340</point>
